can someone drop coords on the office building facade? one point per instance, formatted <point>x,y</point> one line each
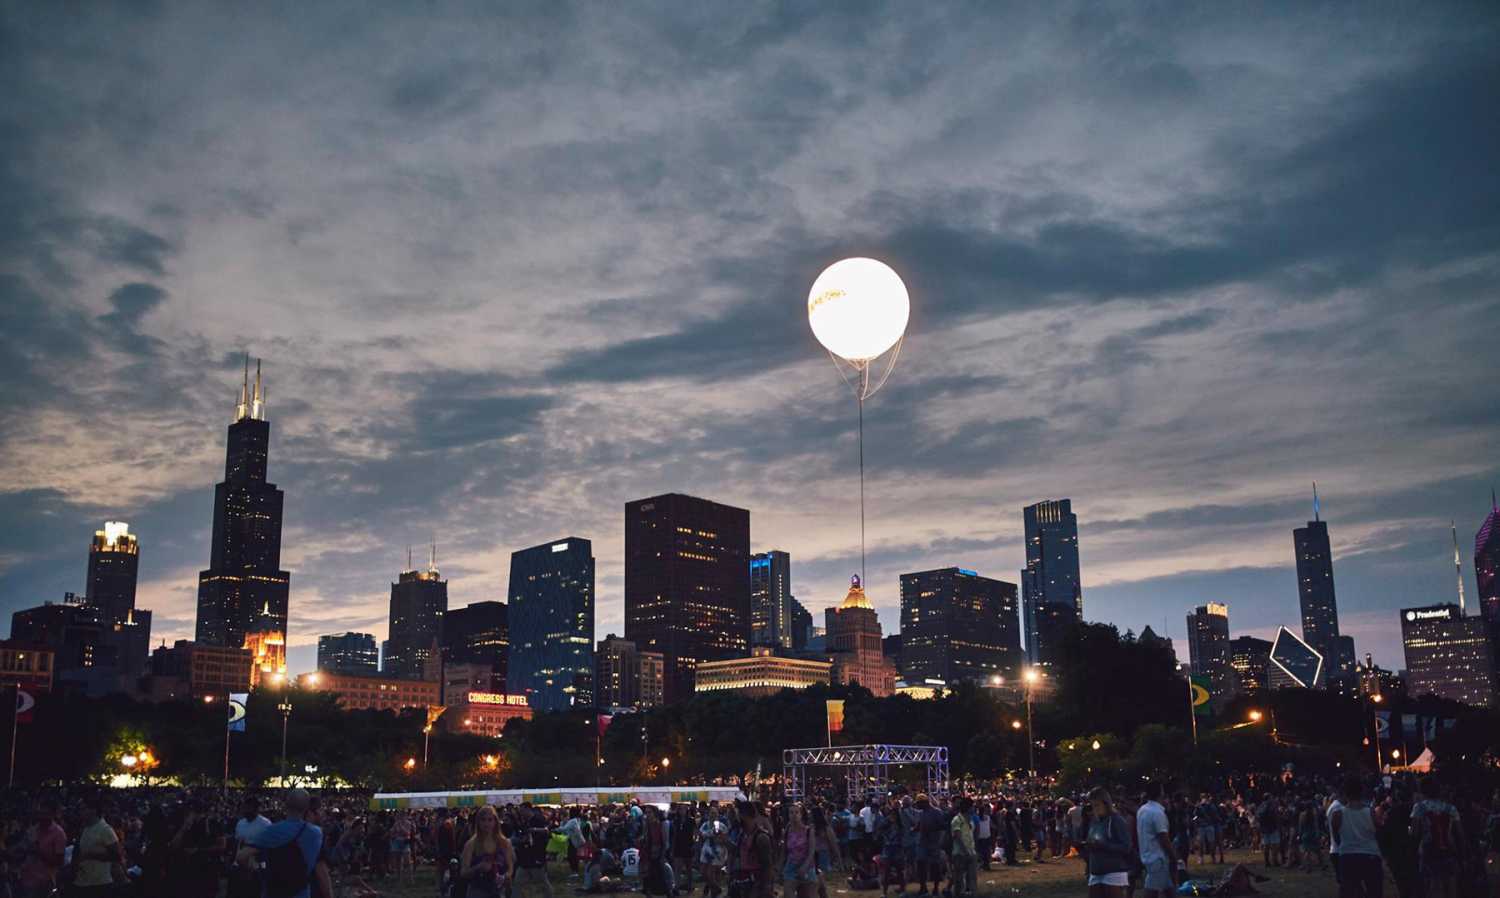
<point>419,602</point>
<point>763,673</point>
<point>244,574</point>
<point>348,653</point>
<point>625,676</point>
<point>1208,647</point>
<point>1448,654</point>
<point>551,620</point>
<point>957,625</point>
<point>478,633</point>
<point>687,583</point>
<point>114,562</point>
<point>1319,602</point>
<point>771,599</point>
<point>1051,585</point>
<point>1294,663</point>
<point>1250,661</point>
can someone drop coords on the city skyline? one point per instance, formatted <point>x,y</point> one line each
<point>530,297</point>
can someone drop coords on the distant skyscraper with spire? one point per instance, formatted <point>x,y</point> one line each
<point>1487,565</point>
<point>244,588</point>
<point>1320,611</point>
<point>419,600</point>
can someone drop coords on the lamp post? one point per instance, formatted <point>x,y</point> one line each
<point>1031,677</point>
<point>1376,699</point>
<point>286,714</point>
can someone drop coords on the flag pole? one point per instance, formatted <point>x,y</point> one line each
<point>14,716</point>
<point>1192,710</point>
<point>227,730</point>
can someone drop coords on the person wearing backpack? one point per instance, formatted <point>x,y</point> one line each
<point>1439,833</point>
<point>289,850</point>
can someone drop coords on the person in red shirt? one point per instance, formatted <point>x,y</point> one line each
<point>46,844</point>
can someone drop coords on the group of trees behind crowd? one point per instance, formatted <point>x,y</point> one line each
<point>1119,693</point>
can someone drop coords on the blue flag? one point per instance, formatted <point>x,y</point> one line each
<point>237,711</point>
<point>1429,728</point>
<point>1383,724</point>
<point>1408,725</point>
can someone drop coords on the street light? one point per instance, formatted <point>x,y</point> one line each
<point>286,713</point>
<point>1031,676</point>
<point>410,765</point>
<point>128,761</point>
<point>1255,716</point>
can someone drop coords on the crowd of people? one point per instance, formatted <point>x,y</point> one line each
<point>246,844</point>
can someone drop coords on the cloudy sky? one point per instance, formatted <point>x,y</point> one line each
<point>510,266</point>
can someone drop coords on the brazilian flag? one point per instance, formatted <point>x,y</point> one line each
<point>1198,685</point>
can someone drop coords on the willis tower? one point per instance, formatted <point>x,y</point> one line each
<point>244,588</point>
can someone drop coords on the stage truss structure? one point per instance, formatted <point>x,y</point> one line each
<point>865,769</point>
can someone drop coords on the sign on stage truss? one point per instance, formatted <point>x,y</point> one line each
<point>865,769</point>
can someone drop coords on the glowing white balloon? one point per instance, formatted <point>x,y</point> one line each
<point>858,308</point>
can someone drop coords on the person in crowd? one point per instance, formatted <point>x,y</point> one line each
<point>1153,834</point>
<point>245,882</point>
<point>44,851</point>
<point>1439,833</point>
<point>1352,825</point>
<point>754,850</point>
<point>1269,816</point>
<point>294,833</point>
<point>964,853</point>
<point>1107,848</point>
<point>799,870</point>
<point>488,858</point>
<point>98,856</point>
<point>531,836</point>
<point>1206,823</point>
<point>825,848</point>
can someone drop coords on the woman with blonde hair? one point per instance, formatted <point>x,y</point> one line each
<point>487,858</point>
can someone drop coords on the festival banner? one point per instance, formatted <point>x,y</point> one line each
<point>1199,685</point>
<point>604,722</point>
<point>1429,728</point>
<point>835,715</point>
<point>237,702</point>
<point>1383,724</point>
<point>1408,726</point>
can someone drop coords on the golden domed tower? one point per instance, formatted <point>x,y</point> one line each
<point>854,643</point>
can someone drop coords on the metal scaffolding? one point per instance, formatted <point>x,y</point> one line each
<point>866,769</point>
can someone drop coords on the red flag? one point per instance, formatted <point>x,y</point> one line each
<point>604,720</point>
<point>24,704</point>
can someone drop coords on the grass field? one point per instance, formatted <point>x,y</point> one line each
<point>1053,879</point>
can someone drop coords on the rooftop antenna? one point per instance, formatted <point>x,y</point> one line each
<point>244,404</point>
<point>1315,502</point>
<point>1458,568</point>
<point>432,559</point>
<point>408,557</point>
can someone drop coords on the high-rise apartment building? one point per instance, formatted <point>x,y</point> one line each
<point>771,599</point>
<point>419,601</point>
<point>1448,655</point>
<point>853,640</point>
<point>244,576</point>
<point>1208,647</point>
<point>802,627</point>
<point>551,620</point>
<point>478,633</point>
<point>1051,587</point>
<point>626,677</point>
<point>348,653</point>
<point>1319,604</point>
<point>957,625</point>
<point>1250,659</point>
<point>687,583</point>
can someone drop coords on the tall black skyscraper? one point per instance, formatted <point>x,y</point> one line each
<point>771,599</point>
<point>687,583</point>
<point>244,576</point>
<point>957,625</point>
<point>1051,588</point>
<point>114,559</point>
<point>419,599</point>
<point>1487,565</point>
<point>1320,607</point>
<point>551,620</point>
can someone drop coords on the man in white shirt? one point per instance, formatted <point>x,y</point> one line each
<point>245,883</point>
<point>1153,835</point>
<point>1333,837</point>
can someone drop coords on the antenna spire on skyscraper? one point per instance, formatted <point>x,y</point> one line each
<point>243,407</point>
<point>1458,567</point>
<point>1315,502</point>
<point>432,559</point>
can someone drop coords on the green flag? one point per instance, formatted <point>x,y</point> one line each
<point>1199,687</point>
